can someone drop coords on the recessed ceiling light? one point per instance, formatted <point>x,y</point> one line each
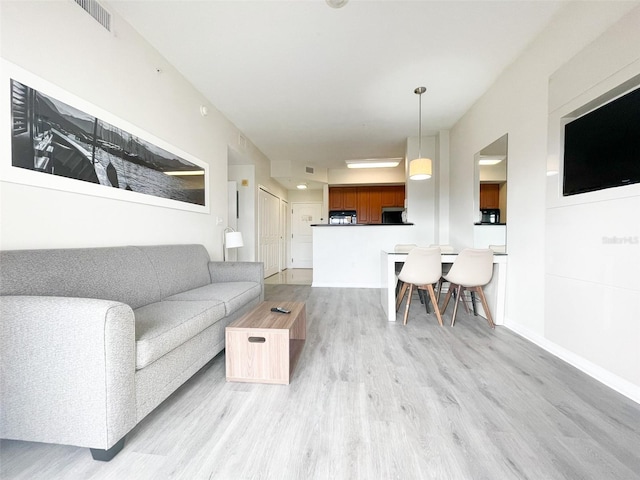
<point>490,159</point>
<point>301,186</point>
<point>373,163</point>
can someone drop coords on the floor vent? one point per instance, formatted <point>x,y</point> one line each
<point>97,11</point>
<point>308,169</point>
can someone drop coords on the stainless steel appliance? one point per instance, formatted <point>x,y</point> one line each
<point>342,217</point>
<point>490,215</point>
<point>392,215</point>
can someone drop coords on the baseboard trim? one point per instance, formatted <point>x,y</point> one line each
<point>620,385</point>
<point>345,285</point>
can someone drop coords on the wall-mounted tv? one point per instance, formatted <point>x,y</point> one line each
<point>602,147</point>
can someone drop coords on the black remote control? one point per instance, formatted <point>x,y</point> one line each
<point>280,310</point>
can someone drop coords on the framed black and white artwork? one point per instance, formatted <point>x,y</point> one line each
<point>60,141</point>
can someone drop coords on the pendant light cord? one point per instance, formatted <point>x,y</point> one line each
<point>419,91</point>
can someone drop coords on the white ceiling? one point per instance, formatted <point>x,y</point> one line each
<point>312,84</point>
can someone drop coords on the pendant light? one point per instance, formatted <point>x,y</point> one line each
<point>420,168</point>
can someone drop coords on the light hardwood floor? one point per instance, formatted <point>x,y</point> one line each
<point>291,276</point>
<point>373,400</point>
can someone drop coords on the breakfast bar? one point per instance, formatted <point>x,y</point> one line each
<point>362,256</point>
<point>495,290</point>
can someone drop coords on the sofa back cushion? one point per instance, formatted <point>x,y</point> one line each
<point>178,267</point>
<point>123,274</point>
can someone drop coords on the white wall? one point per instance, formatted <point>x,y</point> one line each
<point>302,196</point>
<point>117,73</point>
<point>599,321</point>
<point>245,177</point>
<point>361,176</point>
<point>422,195</point>
<point>517,104</point>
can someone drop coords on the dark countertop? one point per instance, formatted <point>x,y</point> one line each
<point>487,223</point>
<point>363,225</point>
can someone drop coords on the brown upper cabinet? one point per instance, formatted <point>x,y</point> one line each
<point>367,201</point>
<point>393,196</point>
<point>342,198</point>
<point>489,195</point>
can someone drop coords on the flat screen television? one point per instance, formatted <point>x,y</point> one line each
<point>602,147</point>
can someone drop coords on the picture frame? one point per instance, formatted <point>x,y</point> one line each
<point>53,139</point>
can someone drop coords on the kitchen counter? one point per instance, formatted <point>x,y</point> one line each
<point>363,225</point>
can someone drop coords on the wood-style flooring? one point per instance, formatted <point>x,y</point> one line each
<point>374,400</point>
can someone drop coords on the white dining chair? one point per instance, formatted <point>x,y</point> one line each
<point>401,248</point>
<point>422,269</point>
<point>445,269</point>
<point>471,270</point>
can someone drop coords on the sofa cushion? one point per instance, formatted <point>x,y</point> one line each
<point>163,326</point>
<point>234,294</point>
<point>122,274</point>
<point>178,267</point>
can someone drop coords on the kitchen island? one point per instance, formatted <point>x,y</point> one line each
<point>349,255</point>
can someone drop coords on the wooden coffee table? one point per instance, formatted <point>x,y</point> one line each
<point>263,346</point>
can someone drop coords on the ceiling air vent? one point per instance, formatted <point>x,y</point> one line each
<point>97,11</point>
<point>308,169</point>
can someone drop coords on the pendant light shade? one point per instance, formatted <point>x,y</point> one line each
<point>420,168</point>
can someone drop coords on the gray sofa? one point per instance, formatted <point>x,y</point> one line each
<point>94,339</point>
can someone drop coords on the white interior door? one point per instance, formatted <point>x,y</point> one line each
<point>268,231</point>
<point>303,215</point>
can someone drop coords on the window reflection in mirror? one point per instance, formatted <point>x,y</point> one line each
<point>490,186</point>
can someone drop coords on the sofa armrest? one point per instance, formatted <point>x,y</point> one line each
<point>236,272</point>
<point>68,368</point>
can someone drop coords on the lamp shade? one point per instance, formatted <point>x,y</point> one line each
<point>420,169</point>
<point>233,240</point>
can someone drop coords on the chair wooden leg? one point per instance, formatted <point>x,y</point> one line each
<point>483,300</point>
<point>403,290</point>
<point>432,295</point>
<point>406,310</point>
<point>455,305</point>
<point>446,298</point>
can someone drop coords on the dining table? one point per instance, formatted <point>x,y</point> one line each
<point>495,290</point>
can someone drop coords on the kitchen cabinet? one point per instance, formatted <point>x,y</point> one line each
<point>342,198</point>
<point>362,195</point>
<point>367,201</point>
<point>375,205</point>
<point>336,199</point>
<point>349,198</point>
<point>393,196</point>
<point>489,195</point>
